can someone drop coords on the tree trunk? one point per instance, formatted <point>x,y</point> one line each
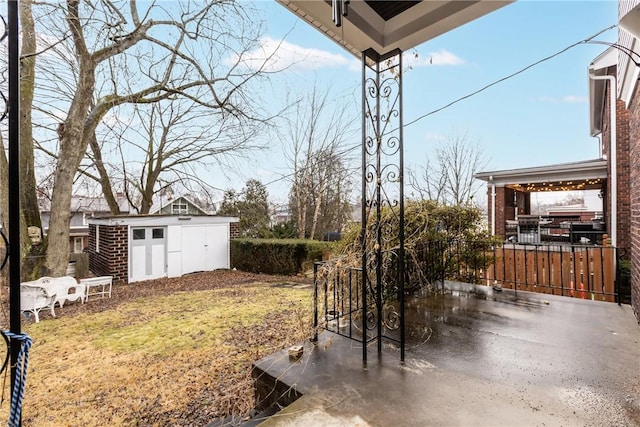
<point>316,211</point>
<point>105,183</point>
<point>73,146</point>
<point>28,194</point>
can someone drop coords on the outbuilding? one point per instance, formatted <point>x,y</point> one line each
<point>144,247</point>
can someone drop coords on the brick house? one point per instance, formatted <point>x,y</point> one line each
<point>614,113</point>
<point>510,190</point>
<point>627,93</point>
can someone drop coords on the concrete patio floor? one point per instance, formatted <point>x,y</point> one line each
<point>473,360</point>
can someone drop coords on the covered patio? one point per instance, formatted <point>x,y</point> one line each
<point>475,357</point>
<point>510,210</point>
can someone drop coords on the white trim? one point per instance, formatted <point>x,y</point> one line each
<point>628,75</point>
<point>161,220</point>
<point>97,238</point>
<point>550,173</point>
<point>363,28</point>
<point>597,88</point>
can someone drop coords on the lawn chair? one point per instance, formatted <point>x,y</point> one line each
<point>34,298</point>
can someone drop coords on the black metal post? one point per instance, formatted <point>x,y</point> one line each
<point>378,204</point>
<point>561,271</point>
<point>382,192</point>
<point>14,181</point>
<point>315,303</point>
<point>363,202</point>
<point>401,230</point>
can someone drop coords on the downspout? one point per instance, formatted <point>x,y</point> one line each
<point>613,155</point>
<point>493,206</point>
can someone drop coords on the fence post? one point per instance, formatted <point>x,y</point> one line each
<point>616,283</point>
<point>314,338</point>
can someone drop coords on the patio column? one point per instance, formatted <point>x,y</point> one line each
<point>382,200</point>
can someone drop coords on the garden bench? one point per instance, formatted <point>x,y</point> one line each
<point>65,288</point>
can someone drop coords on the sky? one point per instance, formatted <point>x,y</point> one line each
<point>538,117</point>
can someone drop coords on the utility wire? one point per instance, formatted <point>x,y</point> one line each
<point>522,70</point>
<point>482,89</point>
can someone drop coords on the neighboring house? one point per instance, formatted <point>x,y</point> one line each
<point>144,247</point>
<point>579,212</point>
<point>280,216</point>
<point>623,131</point>
<point>83,208</point>
<point>510,190</point>
<point>614,113</point>
<point>180,205</point>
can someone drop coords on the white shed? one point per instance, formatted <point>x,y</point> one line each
<point>147,247</point>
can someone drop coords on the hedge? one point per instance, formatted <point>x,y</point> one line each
<point>277,256</point>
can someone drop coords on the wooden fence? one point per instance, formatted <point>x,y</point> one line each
<point>587,272</point>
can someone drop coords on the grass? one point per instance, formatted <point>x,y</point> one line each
<point>177,359</point>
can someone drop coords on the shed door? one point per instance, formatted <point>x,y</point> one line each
<point>205,248</point>
<point>148,258</point>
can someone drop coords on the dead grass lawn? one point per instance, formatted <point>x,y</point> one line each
<point>170,352</point>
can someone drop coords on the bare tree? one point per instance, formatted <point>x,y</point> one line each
<point>316,133</point>
<point>326,197</point>
<point>450,180</point>
<point>169,143</point>
<point>113,53</point>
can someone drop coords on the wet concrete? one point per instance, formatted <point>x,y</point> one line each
<point>474,359</point>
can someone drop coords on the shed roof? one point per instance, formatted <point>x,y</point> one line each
<point>163,220</point>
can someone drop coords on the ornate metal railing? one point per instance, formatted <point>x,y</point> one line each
<point>578,271</point>
<point>338,305</point>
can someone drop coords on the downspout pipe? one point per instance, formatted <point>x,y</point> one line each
<point>613,155</point>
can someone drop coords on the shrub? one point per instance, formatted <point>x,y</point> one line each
<point>277,256</point>
<point>440,242</point>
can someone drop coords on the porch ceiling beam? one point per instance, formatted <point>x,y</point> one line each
<point>381,26</point>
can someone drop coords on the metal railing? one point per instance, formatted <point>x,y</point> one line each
<point>579,271</point>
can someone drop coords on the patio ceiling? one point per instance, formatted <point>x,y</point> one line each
<point>583,175</point>
<point>385,26</point>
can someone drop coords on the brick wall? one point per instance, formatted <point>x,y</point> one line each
<point>634,201</point>
<point>623,170</point>
<point>623,165</point>
<point>504,207</point>
<point>108,251</point>
<point>234,230</point>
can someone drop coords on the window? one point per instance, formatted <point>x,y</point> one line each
<point>179,208</point>
<point>78,243</point>
<point>97,238</point>
<point>138,233</point>
<point>158,233</point>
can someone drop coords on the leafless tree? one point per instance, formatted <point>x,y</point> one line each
<point>169,143</point>
<point>317,132</point>
<point>449,180</point>
<point>107,54</point>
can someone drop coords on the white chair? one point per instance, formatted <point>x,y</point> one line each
<point>34,298</point>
